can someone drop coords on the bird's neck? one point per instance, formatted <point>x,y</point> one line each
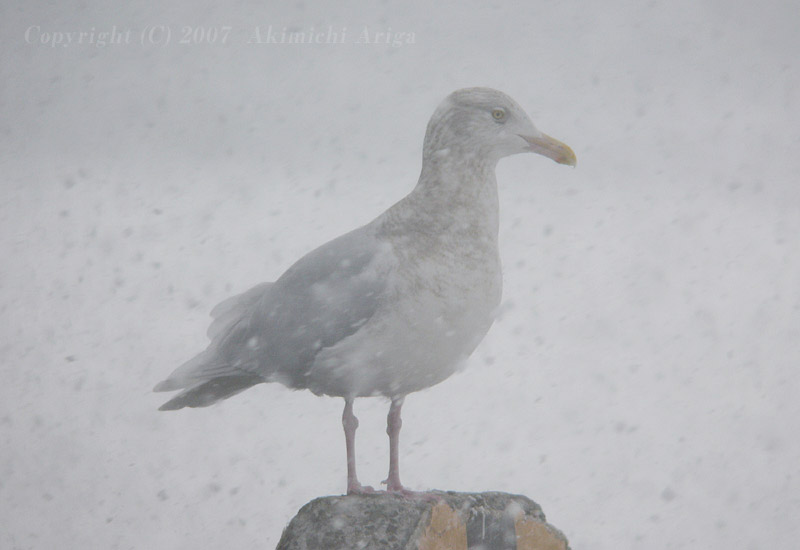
<point>456,193</point>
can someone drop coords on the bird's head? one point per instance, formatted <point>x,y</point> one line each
<point>492,124</point>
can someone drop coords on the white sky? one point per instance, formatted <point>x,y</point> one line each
<point>640,384</point>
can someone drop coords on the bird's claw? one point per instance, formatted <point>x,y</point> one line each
<point>397,489</point>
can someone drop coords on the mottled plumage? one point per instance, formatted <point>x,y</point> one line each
<point>392,307</point>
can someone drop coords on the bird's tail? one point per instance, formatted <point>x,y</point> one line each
<point>205,379</point>
<point>210,377</point>
<point>210,391</point>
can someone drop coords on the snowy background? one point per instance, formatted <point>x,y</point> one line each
<point>641,382</point>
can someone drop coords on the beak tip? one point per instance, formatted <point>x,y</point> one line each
<point>569,159</point>
<point>552,148</point>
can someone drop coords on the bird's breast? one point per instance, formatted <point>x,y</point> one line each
<point>456,289</point>
<point>439,306</point>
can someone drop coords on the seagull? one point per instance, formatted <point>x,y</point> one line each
<point>390,308</point>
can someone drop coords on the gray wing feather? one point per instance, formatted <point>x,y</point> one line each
<point>229,311</point>
<point>323,298</point>
<point>275,330</point>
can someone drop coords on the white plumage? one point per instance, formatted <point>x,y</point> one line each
<point>394,306</point>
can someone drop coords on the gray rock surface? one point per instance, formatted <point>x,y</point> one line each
<point>440,521</point>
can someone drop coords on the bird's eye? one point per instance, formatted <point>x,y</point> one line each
<point>498,114</point>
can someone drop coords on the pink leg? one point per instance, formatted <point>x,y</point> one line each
<point>393,485</point>
<point>350,423</point>
<point>393,425</point>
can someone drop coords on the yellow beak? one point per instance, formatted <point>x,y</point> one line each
<point>552,149</point>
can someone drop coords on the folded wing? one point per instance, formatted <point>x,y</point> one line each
<point>273,331</point>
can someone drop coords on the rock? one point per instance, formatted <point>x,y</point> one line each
<point>448,521</point>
